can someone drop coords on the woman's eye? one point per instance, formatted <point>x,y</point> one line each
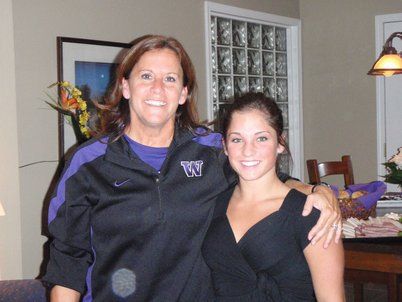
<point>146,76</point>
<point>236,140</point>
<point>170,79</point>
<point>262,139</point>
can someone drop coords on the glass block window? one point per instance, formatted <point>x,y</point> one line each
<point>246,56</point>
<point>255,51</point>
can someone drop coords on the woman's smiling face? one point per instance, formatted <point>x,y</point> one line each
<point>252,145</point>
<point>155,89</point>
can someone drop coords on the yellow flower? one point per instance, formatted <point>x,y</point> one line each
<point>84,130</point>
<point>76,92</point>
<point>71,104</point>
<point>83,118</point>
<point>65,84</point>
<point>81,104</point>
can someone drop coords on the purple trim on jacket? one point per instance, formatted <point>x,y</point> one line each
<point>212,139</point>
<point>83,156</point>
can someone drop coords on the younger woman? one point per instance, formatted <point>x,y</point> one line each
<point>257,246</point>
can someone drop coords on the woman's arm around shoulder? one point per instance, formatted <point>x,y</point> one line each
<point>64,294</point>
<point>327,267</point>
<point>324,200</point>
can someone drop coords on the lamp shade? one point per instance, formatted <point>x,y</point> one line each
<point>387,65</point>
<point>2,212</point>
<point>389,62</point>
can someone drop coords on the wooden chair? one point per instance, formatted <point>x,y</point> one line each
<point>318,170</point>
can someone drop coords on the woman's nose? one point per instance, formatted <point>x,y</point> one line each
<point>157,85</point>
<point>248,149</point>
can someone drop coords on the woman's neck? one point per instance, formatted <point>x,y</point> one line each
<point>152,137</point>
<point>268,187</point>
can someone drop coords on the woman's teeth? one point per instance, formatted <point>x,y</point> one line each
<point>250,163</point>
<point>155,103</point>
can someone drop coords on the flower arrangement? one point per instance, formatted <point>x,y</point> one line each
<point>74,108</point>
<point>394,169</point>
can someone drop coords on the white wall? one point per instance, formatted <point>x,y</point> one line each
<point>10,225</point>
<point>36,26</point>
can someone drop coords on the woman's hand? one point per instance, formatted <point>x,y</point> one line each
<point>330,221</point>
<point>323,199</point>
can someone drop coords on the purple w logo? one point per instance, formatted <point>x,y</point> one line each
<point>192,168</point>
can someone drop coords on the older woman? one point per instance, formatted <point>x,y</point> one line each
<point>131,209</point>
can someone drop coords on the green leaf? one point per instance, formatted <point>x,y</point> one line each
<point>51,97</point>
<point>394,175</point>
<point>59,109</point>
<point>52,85</point>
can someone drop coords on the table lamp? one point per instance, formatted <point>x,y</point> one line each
<point>389,61</point>
<point>2,212</point>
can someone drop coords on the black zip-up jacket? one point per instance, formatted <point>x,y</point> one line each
<point>123,231</point>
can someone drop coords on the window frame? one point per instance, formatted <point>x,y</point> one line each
<point>293,34</point>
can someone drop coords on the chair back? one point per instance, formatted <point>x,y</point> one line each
<point>318,170</point>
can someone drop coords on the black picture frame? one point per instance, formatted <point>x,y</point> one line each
<point>83,59</point>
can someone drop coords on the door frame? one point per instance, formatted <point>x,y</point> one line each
<point>380,22</point>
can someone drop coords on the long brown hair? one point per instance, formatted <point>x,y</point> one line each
<point>116,111</point>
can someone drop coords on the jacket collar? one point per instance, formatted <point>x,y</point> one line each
<point>120,153</point>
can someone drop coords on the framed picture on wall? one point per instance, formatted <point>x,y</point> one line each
<point>90,66</point>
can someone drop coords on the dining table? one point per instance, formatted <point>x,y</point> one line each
<point>376,259</point>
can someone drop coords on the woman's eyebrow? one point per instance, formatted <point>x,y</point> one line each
<point>263,131</point>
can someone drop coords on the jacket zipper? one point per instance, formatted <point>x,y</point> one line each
<point>157,178</point>
<point>157,181</point>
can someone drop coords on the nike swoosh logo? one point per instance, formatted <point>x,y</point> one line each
<point>120,183</point>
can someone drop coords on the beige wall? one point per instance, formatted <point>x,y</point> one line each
<point>35,29</point>
<point>339,99</point>
<point>10,225</point>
